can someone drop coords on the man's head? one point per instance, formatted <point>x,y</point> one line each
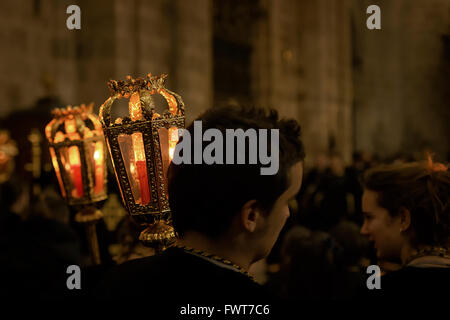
<point>234,201</point>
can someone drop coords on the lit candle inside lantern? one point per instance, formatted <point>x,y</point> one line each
<point>141,167</point>
<point>139,151</point>
<point>98,167</point>
<point>75,166</point>
<point>74,158</point>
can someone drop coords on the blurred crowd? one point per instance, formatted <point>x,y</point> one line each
<point>320,253</point>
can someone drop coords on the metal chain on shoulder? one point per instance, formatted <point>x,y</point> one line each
<point>216,258</point>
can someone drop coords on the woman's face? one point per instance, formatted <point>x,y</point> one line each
<point>380,228</point>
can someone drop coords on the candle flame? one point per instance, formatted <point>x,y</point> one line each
<point>74,156</point>
<point>71,129</point>
<point>171,152</point>
<point>133,169</point>
<point>138,146</point>
<point>136,114</point>
<point>134,106</point>
<point>70,126</point>
<point>173,140</point>
<point>98,153</point>
<point>98,167</point>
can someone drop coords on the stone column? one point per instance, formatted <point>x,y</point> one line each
<point>401,81</point>
<point>192,53</point>
<point>38,53</point>
<point>96,50</point>
<point>172,37</point>
<point>310,71</point>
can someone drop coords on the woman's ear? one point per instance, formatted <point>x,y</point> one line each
<point>405,219</point>
<point>250,213</point>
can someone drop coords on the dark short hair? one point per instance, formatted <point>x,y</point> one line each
<point>423,189</point>
<point>205,198</point>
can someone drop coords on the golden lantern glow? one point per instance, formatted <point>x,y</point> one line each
<point>142,146</point>
<point>77,150</point>
<point>78,153</point>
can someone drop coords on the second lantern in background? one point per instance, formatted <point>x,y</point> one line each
<point>78,153</point>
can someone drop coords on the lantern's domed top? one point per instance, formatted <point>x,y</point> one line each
<point>73,123</point>
<point>139,91</point>
<point>69,110</point>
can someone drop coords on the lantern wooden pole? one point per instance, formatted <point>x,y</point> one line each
<point>94,250</point>
<point>89,216</point>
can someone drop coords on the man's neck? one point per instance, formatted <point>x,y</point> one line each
<point>220,247</point>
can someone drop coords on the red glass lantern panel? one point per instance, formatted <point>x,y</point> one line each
<point>133,154</point>
<point>70,159</point>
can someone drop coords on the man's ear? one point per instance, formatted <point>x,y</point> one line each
<point>250,213</point>
<point>405,219</point>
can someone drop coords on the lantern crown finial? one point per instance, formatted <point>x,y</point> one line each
<point>131,85</point>
<point>69,110</point>
<point>74,118</point>
<point>142,108</point>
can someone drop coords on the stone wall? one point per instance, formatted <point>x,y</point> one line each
<point>310,71</point>
<point>38,53</point>
<point>41,56</point>
<point>96,51</point>
<point>171,37</point>
<point>401,78</point>
<point>314,60</point>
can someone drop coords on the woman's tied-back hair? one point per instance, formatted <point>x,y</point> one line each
<point>423,188</point>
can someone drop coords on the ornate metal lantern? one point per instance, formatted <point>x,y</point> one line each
<point>78,153</point>
<point>141,147</point>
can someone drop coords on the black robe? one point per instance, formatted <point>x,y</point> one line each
<point>181,278</point>
<point>413,283</point>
